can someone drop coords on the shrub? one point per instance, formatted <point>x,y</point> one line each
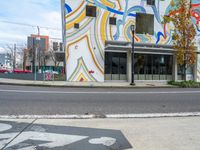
<point>185,84</point>
<point>59,77</point>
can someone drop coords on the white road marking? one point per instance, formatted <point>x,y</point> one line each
<point>53,140</point>
<point>50,140</point>
<point>106,92</point>
<point>147,115</point>
<point>154,115</point>
<point>4,127</point>
<point>107,141</point>
<point>7,138</point>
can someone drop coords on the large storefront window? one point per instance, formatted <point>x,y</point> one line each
<point>153,67</point>
<point>115,66</point>
<point>147,66</point>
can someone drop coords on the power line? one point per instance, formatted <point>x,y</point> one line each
<point>29,25</point>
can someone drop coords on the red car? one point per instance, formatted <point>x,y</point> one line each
<point>21,71</point>
<point>5,71</point>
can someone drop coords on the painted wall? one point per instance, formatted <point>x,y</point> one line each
<point>85,46</point>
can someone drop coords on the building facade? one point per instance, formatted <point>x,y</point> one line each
<point>2,60</point>
<point>6,61</point>
<point>43,53</point>
<point>97,36</point>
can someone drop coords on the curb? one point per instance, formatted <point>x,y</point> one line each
<point>85,86</point>
<point>108,116</point>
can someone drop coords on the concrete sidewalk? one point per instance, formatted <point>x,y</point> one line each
<point>181,133</point>
<point>139,84</point>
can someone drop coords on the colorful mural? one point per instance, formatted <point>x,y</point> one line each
<point>85,46</point>
<point>195,11</point>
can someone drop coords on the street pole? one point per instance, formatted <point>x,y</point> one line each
<point>14,57</point>
<point>35,74</point>
<point>36,51</point>
<point>132,56</point>
<point>64,35</point>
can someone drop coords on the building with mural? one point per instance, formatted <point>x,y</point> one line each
<point>98,36</point>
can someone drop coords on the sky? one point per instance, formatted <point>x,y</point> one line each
<point>42,13</point>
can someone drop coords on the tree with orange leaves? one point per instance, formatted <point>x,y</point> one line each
<point>184,33</point>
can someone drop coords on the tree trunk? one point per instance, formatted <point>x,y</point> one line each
<point>185,68</point>
<point>185,72</point>
<point>24,62</point>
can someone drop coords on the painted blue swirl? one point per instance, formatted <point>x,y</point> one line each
<point>68,8</point>
<point>159,34</point>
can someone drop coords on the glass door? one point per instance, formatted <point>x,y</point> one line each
<point>115,66</point>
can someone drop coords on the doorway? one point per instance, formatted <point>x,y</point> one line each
<point>116,66</point>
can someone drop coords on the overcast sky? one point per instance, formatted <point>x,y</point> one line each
<point>43,13</point>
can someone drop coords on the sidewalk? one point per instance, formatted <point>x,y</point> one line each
<point>182,133</point>
<point>139,84</point>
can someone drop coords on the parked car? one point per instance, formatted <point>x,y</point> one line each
<point>5,71</point>
<point>21,71</point>
<point>51,71</point>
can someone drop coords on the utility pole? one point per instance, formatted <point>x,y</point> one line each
<point>63,12</point>
<point>14,56</point>
<point>38,41</point>
<point>36,51</point>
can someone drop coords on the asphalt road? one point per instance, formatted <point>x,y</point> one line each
<point>20,100</point>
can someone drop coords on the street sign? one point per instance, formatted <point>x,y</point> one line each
<point>49,76</point>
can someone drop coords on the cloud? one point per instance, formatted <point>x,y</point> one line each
<point>53,18</point>
<point>2,50</point>
<point>35,12</point>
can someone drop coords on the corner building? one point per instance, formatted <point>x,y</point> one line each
<point>98,40</point>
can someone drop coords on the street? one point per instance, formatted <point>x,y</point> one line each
<point>27,100</point>
<point>178,133</point>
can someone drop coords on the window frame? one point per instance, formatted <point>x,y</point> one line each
<point>151,2</point>
<point>91,11</point>
<point>112,20</point>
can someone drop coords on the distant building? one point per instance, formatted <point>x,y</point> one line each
<point>55,44</point>
<point>45,56</point>
<point>5,61</point>
<point>42,41</point>
<point>2,60</point>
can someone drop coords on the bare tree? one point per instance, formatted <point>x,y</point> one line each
<point>14,51</point>
<point>25,57</point>
<point>43,57</point>
<point>39,56</point>
<point>53,57</point>
<point>11,52</point>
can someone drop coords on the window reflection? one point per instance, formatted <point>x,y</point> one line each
<point>115,66</point>
<point>153,67</point>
